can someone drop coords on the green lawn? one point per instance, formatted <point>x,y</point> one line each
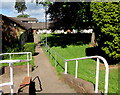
<point>87,67</point>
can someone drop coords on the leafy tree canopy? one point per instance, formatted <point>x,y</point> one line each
<point>106,17</point>
<point>25,15</point>
<point>20,6</point>
<point>69,15</point>
<point>103,17</point>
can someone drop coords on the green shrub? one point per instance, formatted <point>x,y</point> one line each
<point>106,17</point>
<point>12,48</point>
<point>29,47</point>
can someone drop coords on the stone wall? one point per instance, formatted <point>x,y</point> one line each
<point>80,85</point>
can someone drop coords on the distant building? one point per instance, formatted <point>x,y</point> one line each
<point>26,20</point>
<point>14,31</point>
<point>33,22</point>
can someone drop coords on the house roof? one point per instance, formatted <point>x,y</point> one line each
<point>25,25</point>
<point>40,25</point>
<point>24,19</point>
<point>21,24</point>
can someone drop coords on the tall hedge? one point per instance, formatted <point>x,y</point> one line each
<point>106,16</point>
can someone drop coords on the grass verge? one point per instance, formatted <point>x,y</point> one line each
<point>18,57</point>
<point>86,68</point>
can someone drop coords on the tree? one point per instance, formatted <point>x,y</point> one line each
<point>25,15</point>
<point>103,17</point>
<point>106,18</point>
<point>20,6</point>
<point>69,15</point>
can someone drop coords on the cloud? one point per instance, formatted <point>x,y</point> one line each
<point>7,5</point>
<point>7,0</point>
<point>15,0</point>
<point>7,8</point>
<point>33,10</point>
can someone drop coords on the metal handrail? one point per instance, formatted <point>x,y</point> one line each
<point>11,62</point>
<point>17,53</point>
<point>56,53</point>
<point>97,70</point>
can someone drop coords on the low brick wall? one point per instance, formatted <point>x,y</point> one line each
<point>80,85</point>
<point>2,70</point>
<point>18,69</point>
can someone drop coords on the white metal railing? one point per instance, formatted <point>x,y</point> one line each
<point>90,57</point>
<point>13,61</point>
<point>97,70</point>
<point>52,52</point>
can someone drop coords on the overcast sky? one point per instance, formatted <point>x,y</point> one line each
<point>7,8</point>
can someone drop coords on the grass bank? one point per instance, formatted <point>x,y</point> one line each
<point>28,47</point>
<point>86,69</point>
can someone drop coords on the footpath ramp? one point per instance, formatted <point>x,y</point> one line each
<point>45,76</point>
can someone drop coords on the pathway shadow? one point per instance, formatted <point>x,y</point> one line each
<point>92,51</point>
<point>34,67</point>
<point>33,84</point>
<point>32,87</point>
<point>68,39</point>
<point>36,53</point>
<point>20,90</point>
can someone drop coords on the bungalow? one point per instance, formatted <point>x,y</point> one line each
<point>35,25</point>
<point>14,31</point>
<point>26,20</point>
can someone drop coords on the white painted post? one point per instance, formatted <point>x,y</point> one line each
<point>76,70</point>
<point>65,67</point>
<point>10,56</point>
<point>28,66</point>
<point>11,78</point>
<point>97,76</point>
<point>97,71</point>
<point>106,80</point>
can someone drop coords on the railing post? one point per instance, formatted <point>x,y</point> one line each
<point>50,53</point>
<point>106,79</point>
<point>30,56</point>
<point>97,76</point>
<point>28,66</point>
<point>65,67</point>
<point>55,60</point>
<point>76,70</point>
<point>10,56</point>
<point>11,78</point>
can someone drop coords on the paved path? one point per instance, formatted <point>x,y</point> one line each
<point>44,76</point>
<point>49,81</point>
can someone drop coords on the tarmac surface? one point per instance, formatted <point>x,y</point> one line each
<point>49,80</point>
<point>44,76</point>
